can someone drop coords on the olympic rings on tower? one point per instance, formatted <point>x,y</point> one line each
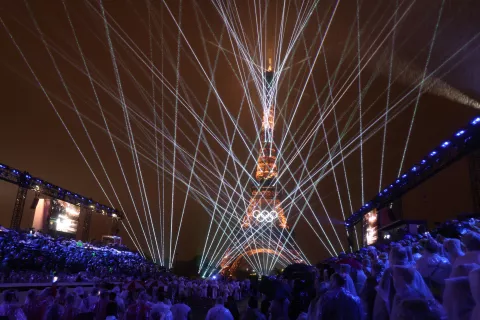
<point>265,215</point>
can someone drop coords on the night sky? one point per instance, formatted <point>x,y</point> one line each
<point>34,135</point>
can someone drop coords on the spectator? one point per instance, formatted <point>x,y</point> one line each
<point>100,308</point>
<point>474,279</point>
<point>180,310</point>
<point>457,298</point>
<point>252,312</point>
<point>409,286</point>
<point>111,311</point>
<point>433,267</point>
<point>218,311</point>
<point>339,303</point>
<point>369,292</point>
<point>161,308</point>
<point>345,270</point>
<point>471,240</point>
<point>10,307</point>
<point>453,249</point>
<point>70,310</point>
<point>32,307</point>
<point>231,305</point>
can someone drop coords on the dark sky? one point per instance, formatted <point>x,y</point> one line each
<point>35,139</point>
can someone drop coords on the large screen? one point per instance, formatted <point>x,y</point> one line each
<point>370,227</point>
<point>64,217</point>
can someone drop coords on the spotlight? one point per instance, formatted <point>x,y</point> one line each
<point>459,133</point>
<point>445,144</point>
<point>476,121</point>
<point>423,161</point>
<point>414,169</point>
<point>433,153</point>
<point>404,176</point>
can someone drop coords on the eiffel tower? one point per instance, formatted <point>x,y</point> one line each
<point>265,227</point>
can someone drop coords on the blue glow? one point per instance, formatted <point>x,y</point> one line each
<point>386,190</point>
<point>459,133</point>
<point>414,169</point>
<point>445,144</point>
<point>397,181</point>
<point>433,153</point>
<point>423,161</point>
<point>2,166</point>
<point>476,120</point>
<point>380,194</point>
<point>404,176</point>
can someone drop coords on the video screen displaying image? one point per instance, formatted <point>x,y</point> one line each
<point>370,225</point>
<point>64,217</point>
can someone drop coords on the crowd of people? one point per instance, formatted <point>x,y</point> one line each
<point>35,257</point>
<point>165,298</point>
<point>424,276</point>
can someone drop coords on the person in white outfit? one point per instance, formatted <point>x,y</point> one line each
<point>214,286</point>
<point>457,298</point>
<point>180,310</point>
<point>471,240</point>
<point>474,279</point>
<point>218,311</point>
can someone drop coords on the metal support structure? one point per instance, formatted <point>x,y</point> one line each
<point>474,168</point>
<point>86,224</point>
<point>466,141</point>
<point>44,188</point>
<point>18,208</point>
<point>351,238</point>
<point>115,226</point>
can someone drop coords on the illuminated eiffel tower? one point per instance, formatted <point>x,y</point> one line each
<point>264,225</point>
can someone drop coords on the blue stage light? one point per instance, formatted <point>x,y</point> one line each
<point>459,133</point>
<point>433,153</point>
<point>386,190</point>
<point>445,144</point>
<point>476,121</point>
<point>2,166</point>
<point>423,161</point>
<point>380,194</point>
<point>414,169</point>
<point>404,176</point>
<point>397,181</point>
